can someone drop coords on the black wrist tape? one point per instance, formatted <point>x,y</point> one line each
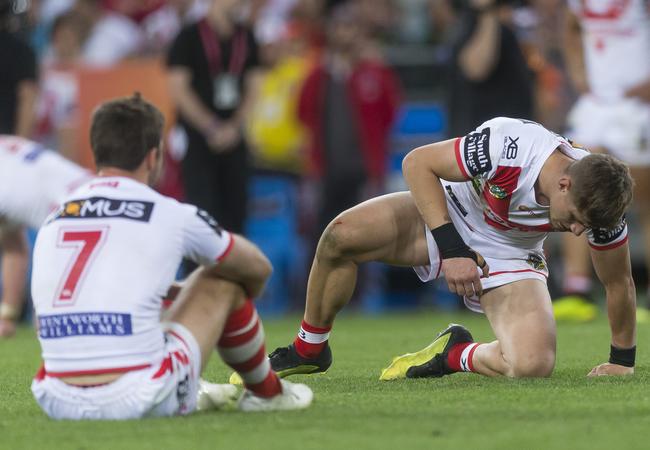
<point>622,356</point>
<point>450,244</point>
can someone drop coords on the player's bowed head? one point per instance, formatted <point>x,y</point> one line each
<point>593,192</point>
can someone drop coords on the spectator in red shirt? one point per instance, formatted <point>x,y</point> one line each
<point>348,103</point>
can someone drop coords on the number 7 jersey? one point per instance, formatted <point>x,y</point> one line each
<point>102,263</point>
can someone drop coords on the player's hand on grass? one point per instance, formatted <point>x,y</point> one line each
<point>462,276</point>
<point>610,369</point>
<point>7,328</point>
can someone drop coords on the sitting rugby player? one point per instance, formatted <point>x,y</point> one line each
<point>102,263</point>
<point>34,180</point>
<point>477,213</point>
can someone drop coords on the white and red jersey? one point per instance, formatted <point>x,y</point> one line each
<point>502,159</point>
<point>33,181</point>
<point>616,43</point>
<point>102,263</point>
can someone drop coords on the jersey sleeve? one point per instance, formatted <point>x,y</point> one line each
<point>204,241</point>
<point>502,144</point>
<point>607,239</point>
<point>478,153</point>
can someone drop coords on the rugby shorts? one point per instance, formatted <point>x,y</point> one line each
<point>503,270</point>
<point>168,387</point>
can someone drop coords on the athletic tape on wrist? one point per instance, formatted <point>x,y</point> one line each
<point>450,244</point>
<point>622,356</point>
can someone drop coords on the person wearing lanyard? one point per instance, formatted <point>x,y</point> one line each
<point>210,63</point>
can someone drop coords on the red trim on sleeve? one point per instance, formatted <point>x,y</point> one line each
<point>609,246</point>
<point>228,249</point>
<point>459,159</point>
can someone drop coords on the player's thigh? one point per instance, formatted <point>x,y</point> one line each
<point>203,306</point>
<point>388,229</point>
<point>521,316</point>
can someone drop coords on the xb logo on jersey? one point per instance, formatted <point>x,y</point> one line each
<point>510,147</point>
<point>100,208</point>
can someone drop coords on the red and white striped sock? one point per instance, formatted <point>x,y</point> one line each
<point>242,347</point>
<point>459,358</point>
<point>311,340</point>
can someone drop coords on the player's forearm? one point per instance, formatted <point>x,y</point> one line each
<point>245,265</point>
<point>621,310</point>
<point>481,52</point>
<point>254,280</point>
<point>427,191</point>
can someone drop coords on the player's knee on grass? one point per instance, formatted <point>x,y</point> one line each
<point>533,365</point>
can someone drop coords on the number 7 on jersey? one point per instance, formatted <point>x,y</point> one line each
<point>86,243</point>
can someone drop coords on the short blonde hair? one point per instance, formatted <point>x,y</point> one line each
<point>601,189</point>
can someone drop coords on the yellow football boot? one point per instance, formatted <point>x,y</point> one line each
<point>430,361</point>
<point>574,308</point>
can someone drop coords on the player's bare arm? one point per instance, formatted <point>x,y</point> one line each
<point>423,168</point>
<point>614,271</point>
<point>15,258</point>
<point>245,265</point>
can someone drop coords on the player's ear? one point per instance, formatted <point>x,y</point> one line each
<point>564,183</point>
<point>152,158</point>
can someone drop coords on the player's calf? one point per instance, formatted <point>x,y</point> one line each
<point>528,361</point>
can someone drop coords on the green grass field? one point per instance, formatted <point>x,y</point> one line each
<point>353,410</point>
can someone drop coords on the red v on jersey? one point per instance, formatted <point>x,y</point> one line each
<point>497,193</point>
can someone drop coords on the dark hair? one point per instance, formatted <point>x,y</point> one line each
<point>601,189</point>
<point>123,131</point>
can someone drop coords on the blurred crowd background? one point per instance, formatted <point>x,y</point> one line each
<point>282,113</point>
